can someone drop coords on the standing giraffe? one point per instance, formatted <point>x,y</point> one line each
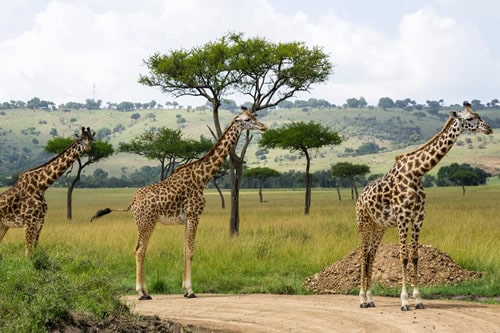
<point>24,205</point>
<point>179,200</point>
<point>397,200</point>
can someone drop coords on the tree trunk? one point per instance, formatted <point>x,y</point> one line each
<point>223,203</point>
<point>235,171</point>
<point>355,188</point>
<point>236,175</point>
<point>308,184</point>
<point>260,193</point>
<point>69,199</point>
<point>338,190</point>
<point>69,195</point>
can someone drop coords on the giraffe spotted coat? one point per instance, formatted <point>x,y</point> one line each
<point>179,200</point>
<point>397,200</point>
<point>24,205</point>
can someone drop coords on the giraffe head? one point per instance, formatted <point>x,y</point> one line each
<point>85,139</point>
<point>470,120</point>
<point>247,120</point>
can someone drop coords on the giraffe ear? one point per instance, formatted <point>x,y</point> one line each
<point>453,114</point>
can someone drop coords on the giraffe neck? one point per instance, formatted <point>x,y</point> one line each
<point>210,163</point>
<point>41,177</point>
<point>426,157</point>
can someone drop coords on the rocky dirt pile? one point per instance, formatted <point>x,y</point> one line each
<point>435,268</point>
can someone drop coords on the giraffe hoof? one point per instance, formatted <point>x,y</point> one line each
<point>419,306</point>
<point>190,295</point>
<point>367,305</point>
<point>405,308</point>
<point>145,298</point>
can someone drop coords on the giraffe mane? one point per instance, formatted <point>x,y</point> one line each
<point>425,145</point>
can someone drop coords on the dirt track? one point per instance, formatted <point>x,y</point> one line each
<point>318,313</point>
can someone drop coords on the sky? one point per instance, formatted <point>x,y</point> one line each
<point>72,50</point>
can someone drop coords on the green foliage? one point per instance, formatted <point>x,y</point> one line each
<point>462,175</point>
<point>300,136</point>
<point>349,170</point>
<point>234,63</point>
<point>386,103</point>
<point>367,148</point>
<point>261,173</point>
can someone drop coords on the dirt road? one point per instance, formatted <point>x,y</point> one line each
<point>318,313</point>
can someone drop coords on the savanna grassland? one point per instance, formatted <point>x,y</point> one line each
<point>277,248</point>
<point>85,267</point>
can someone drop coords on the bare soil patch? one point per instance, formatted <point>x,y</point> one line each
<point>256,313</point>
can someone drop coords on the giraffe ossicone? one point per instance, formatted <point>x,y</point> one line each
<point>397,200</point>
<point>179,200</point>
<point>24,205</point>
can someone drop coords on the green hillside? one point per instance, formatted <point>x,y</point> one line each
<point>24,133</point>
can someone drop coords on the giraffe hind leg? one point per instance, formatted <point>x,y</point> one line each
<point>376,237</point>
<point>140,256</point>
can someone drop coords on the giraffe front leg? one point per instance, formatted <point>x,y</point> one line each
<point>31,234</point>
<point>189,238</point>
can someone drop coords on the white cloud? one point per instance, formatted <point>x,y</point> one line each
<point>65,47</point>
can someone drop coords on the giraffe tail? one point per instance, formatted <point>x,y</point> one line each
<point>100,213</point>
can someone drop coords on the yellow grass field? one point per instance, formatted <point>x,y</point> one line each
<point>277,242</point>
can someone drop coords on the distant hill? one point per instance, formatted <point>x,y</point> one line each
<point>385,133</point>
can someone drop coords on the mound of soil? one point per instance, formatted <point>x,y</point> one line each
<point>434,268</point>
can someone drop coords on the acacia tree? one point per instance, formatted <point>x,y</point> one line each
<point>99,150</point>
<point>301,137</point>
<point>267,72</point>
<point>350,171</point>
<point>270,74</point>
<point>261,174</point>
<point>166,146</point>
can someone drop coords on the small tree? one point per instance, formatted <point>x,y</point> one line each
<point>301,137</point>
<point>166,146</point>
<point>261,174</point>
<point>99,150</point>
<point>350,171</point>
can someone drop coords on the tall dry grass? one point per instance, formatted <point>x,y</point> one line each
<point>278,245</point>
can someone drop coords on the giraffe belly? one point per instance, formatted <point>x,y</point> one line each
<point>172,220</point>
<point>12,222</point>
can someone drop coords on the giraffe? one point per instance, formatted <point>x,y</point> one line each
<point>397,200</point>
<point>179,200</point>
<point>24,205</point>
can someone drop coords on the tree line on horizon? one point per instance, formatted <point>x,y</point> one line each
<point>407,104</point>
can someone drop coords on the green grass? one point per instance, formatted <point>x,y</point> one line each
<point>83,266</point>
